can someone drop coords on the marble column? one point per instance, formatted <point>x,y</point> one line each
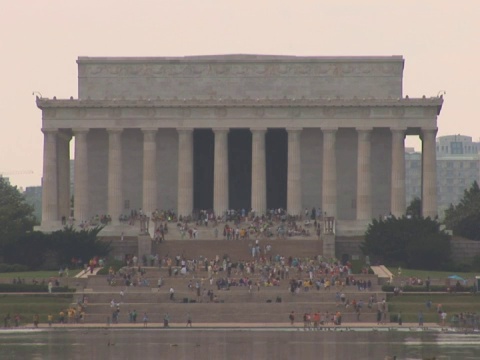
<point>149,203</point>
<point>364,181</point>
<point>80,190</point>
<point>220,172</point>
<point>185,172</point>
<point>429,173</point>
<point>294,184</point>
<point>329,172</point>
<point>398,201</point>
<point>50,178</point>
<point>259,172</point>
<point>63,153</point>
<point>115,194</point>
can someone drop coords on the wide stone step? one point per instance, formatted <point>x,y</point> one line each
<point>254,313</point>
<point>236,295</point>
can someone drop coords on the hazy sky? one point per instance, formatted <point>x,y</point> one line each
<point>40,41</point>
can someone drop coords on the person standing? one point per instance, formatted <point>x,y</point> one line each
<point>189,320</point>
<point>420,319</point>
<point>166,320</point>
<point>292,318</point>
<point>36,320</point>
<point>145,320</point>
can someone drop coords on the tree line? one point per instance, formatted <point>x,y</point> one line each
<point>20,244</point>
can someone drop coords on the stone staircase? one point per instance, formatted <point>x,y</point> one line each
<point>237,304</point>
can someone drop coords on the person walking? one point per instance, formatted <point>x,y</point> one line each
<point>145,320</point>
<point>189,320</point>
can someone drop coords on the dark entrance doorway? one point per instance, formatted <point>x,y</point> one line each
<point>240,169</point>
<point>203,152</point>
<point>276,152</point>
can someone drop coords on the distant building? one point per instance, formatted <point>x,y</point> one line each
<point>33,196</point>
<point>458,166</point>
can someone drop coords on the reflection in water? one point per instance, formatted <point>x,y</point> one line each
<point>234,344</point>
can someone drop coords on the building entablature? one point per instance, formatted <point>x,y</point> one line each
<point>409,114</point>
<point>43,103</point>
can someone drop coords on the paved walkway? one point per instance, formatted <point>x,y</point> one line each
<point>382,272</point>
<point>85,273</point>
<point>246,326</point>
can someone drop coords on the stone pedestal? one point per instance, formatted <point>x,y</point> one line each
<point>328,245</point>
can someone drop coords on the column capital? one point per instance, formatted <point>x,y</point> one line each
<point>294,129</point>
<point>185,129</point>
<point>49,130</point>
<point>147,130</point>
<point>220,129</point>
<point>330,129</point>
<point>364,129</point>
<point>62,135</point>
<point>115,130</point>
<point>77,131</point>
<point>429,130</point>
<point>398,129</point>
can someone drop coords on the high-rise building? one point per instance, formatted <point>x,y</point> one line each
<point>458,166</point>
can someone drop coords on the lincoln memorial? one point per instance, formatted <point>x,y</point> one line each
<point>250,132</point>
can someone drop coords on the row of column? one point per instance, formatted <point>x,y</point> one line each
<point>56,178</point>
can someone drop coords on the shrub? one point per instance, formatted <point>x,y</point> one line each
<point>115,264</point>
<point>32,288</point>
<point>433,288</point>
<point>13,268</point>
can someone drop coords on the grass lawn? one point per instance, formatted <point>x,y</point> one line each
<point>29,305</point>
<point>35,274</point>
<point>423,274</point>
<point>410,304</point>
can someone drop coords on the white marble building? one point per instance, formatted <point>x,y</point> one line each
<point>233,131</point>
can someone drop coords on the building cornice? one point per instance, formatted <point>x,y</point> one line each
<point>44,103</point>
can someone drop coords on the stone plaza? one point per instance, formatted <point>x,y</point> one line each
<point>251,132</point>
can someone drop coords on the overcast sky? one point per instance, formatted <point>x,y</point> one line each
<point>40,41</point>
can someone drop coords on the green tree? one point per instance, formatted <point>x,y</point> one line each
<point>38,250</point>
<point>415,207</point>
<point>413,242</point>
<point>464,218</point>
<point>84,244</point>
<point>16,216</point>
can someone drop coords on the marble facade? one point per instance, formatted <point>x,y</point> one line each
<point>135,119</point>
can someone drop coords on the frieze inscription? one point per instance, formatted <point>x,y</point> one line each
<point>239,69</point>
